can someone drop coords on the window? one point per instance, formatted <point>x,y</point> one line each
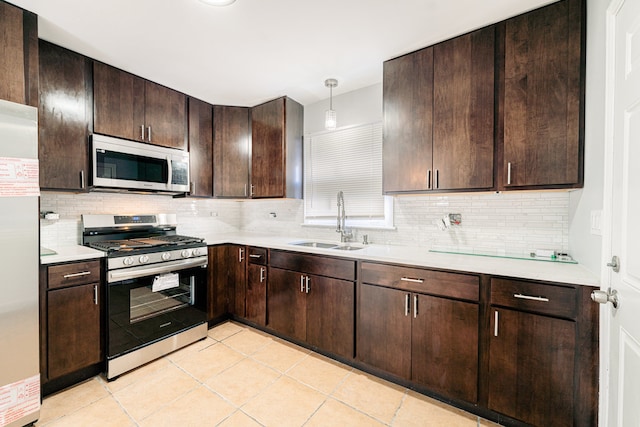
<point>349,160</point>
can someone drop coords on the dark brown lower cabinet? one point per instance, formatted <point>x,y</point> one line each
<point>73,317</point>
<point>237,265</point>
<point>256,294</point>
<point>71,325</point>
<point>218,284</point>
<point>531,367</point>
<point>314,309</point>
<point>430,340</point>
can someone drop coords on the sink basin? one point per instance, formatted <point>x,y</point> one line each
<point>347,248</point>
<point>324,245</point>
<point>314,244</point>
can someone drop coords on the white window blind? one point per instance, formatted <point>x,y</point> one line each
<point>348,160</point>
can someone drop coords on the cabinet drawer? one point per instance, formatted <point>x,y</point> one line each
<point>77,273</point>
<point>258,256</point>
<point>313,264</point>
<point>541,298</point>
<point>462,286</point>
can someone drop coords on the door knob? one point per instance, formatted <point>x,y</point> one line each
<point>602,297</point>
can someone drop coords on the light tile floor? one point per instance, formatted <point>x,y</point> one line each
<point>239,376</point>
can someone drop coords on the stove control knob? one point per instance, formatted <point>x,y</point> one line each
<point>127,261</point>
<point>186,253</point>
<point>143,259</point>
<point>166,256</point>
<point>196,252</point>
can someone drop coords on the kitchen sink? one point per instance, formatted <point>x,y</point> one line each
<point>324,245</point>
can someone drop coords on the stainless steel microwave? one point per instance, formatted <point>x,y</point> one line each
<point>122,165</point>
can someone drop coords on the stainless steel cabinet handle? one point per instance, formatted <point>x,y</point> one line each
<point>254,256</point>
<point>252,189</point>
<point>301,283</point>
<point>495,323</point>
<point>95,294</point>
<point>245,190</point>
<point>240,254</point>
<point>142,132</point>
<point>406,305</point>
<point>429,180</point>
<point>261,274</point>
<point>415,306</point>
<point>412,280</point>
<point>82,273</point>
<point>149,133</point>
<point>307,281</point>
<point>81,179</point>
<point>532,298</point>
<point>509,173</point>
<point>437,178</point>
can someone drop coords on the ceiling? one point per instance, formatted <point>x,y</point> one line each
<point>257,50</point>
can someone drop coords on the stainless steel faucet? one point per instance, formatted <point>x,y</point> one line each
<point>345,235</point>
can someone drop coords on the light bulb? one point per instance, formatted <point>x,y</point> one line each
<point>330,119</point>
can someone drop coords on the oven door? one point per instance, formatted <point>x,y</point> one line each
<point>142,310</point>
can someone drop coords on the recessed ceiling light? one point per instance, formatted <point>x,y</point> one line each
<point>218,2</point>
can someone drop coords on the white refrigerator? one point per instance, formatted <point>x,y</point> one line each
<point>19,265</point>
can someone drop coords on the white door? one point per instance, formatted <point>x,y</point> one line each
<point>622,194</point>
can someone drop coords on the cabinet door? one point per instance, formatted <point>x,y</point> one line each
<point>384,329</point>
<point>463,82</point>
<point>218,290</point>
<point>256,298</point>
<point>165,112</point>
<point>231,151</point>
<point>408,120</point>
<point>118,102</point>
<point>18,55</point>
<point>267,149</point>
<point>201,148</point>
<point>73,317</point>
<point>286,302</point>
<point>542,97</point>
<point>330,315</point>
<point>444,350</point>
<point>531,367</point>
<point>237,263</point>
<point>65,114</point>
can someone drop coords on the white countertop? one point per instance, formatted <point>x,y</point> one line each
<point>418,256</point>
<point>70,253</point>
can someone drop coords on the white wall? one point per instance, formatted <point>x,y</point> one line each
<point>585,246</point>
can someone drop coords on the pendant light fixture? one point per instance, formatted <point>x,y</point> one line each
<point>330,116</point>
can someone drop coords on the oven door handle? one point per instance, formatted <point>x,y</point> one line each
<point>166,267</point>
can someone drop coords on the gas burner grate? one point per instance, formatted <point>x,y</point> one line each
<point>178,239</point>
<point>118,245</point>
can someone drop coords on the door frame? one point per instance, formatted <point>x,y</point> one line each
<point>607,200</point>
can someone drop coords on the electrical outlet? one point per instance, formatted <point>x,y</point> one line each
<point>214,214</point>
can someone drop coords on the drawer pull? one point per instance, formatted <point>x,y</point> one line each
<point>495,323</point>
<point>82,273</point>
<point>255,256</point>
<point>532,298</point>
<point>412,280</point>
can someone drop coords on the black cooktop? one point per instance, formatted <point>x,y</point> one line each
<point>146,244</point>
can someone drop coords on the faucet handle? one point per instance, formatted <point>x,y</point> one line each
<point>365,239</point>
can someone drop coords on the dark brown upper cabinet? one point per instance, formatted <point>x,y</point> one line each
<point>130,107</point>
<point>542,98</point>
<point>201,148</point>
<point>231,151</point>
<point>276,149</point>
<point>65,118</point>
<point>438,116</point>
<point>18,55</point>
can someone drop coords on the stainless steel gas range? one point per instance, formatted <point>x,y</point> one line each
<point>156,283</point>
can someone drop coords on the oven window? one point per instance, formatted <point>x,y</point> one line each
<point>115,165</point>
<point>145,303</point>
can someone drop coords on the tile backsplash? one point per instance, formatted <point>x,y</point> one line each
<point>513,222</point>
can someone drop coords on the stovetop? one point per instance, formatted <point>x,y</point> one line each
<point>146,244</point>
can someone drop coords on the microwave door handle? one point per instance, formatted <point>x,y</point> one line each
<point>170,174</point>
